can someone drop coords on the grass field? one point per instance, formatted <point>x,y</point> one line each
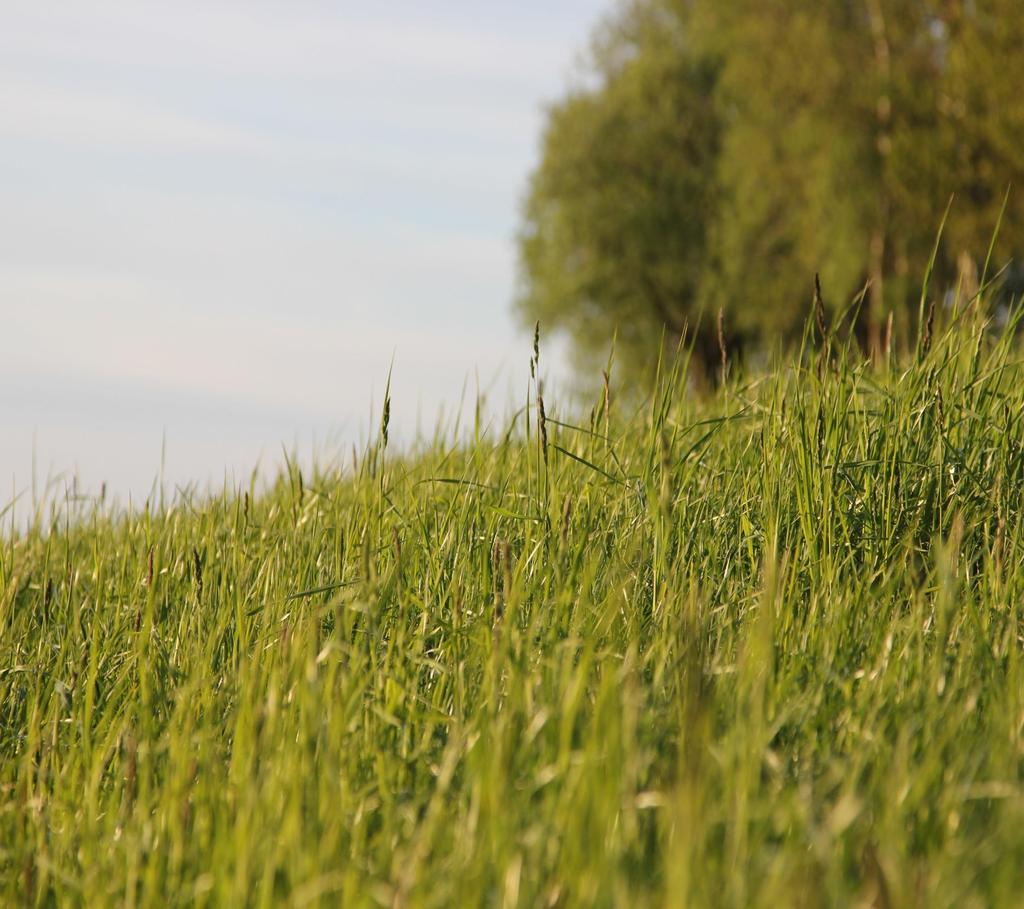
<point>757,648</point>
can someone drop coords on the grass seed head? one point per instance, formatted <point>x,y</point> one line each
<point>542,425</point>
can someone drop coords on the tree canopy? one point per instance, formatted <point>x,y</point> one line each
<point>719,153</point>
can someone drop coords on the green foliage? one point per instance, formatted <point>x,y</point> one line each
<point>754,650</point>
<point>832,135</point>
<point>617,216</point>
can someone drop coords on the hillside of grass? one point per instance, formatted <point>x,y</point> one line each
<point>760,647</point>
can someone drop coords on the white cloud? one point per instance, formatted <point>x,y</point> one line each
<point>133,329</point>
<point>283,40</point>
<point>75,116</point>
<point>254,206</point>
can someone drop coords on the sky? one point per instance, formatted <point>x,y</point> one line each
<point>224,221</point>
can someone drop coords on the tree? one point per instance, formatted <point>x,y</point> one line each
<point>983,123</point>
<point>725,152</point>
<point>617,217</point>
<point>828,101</point>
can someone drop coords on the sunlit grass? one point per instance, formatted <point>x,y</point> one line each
<point>760,647</point>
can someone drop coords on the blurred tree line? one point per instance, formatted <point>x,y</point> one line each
<point>719,153</point>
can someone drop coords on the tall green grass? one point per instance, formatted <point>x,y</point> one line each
<point>757,648</point>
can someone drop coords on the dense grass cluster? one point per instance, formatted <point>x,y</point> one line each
<point>760,648</point>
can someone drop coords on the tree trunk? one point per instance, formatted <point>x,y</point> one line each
<point>883,142</point>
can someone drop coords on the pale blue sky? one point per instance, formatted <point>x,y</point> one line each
<point>222,219</point>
